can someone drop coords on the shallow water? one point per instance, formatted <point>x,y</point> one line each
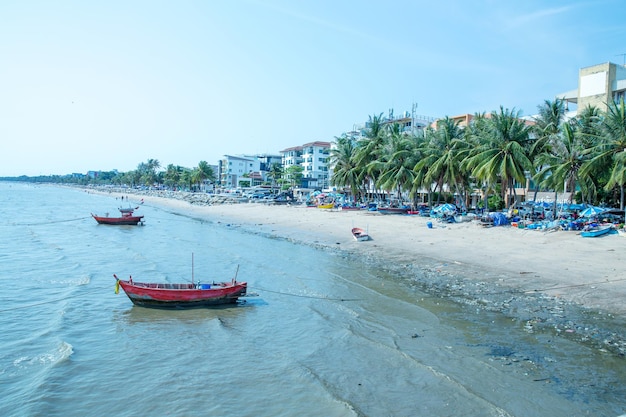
<point>327,334</point>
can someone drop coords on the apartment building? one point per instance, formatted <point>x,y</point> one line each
<point>313,157</point>
<point>232,169</point>
<point>598,85</point>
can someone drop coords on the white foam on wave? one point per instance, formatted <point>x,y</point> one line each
<point>63,351</point>
<point>77,282</point>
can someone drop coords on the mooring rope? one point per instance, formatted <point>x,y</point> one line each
<point>49,222</point>
<point>305,296</point>
<point>47,302</point>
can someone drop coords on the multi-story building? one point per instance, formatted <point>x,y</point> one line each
<point>246,170</point>
<point>232,169</point>
<point>598,85</point>
<point>313,158</point>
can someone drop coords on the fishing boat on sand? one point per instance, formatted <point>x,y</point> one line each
<point>359,234</point>
<point>185,295</point>
<point>326,205</point>
<point>127,218</point>
<point>598,231</point>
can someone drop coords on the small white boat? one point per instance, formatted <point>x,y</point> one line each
<point>359,234</point>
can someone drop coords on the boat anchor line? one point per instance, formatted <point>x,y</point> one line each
<point>49,222</point>
<point>56,300</point>
<point>306,296</point>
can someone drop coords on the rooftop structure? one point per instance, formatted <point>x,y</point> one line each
<point>598,85</point>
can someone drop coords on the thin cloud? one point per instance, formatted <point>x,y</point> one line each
<point>539,14</point>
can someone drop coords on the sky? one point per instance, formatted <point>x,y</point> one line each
<point>105,85</point>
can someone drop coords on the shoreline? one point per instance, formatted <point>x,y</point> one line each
<point>556,281</point>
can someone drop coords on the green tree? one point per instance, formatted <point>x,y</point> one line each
<point>612,147</point>
<point>502,155</point>
<point>546,133</point>
<point>294,175</point>
<point>398,156</point>
<point>443,152</point>
<point>370,150</point>
<point>275,173</point>
<point>346,172</point>
<point>561,163</point>
<point>172,175</point>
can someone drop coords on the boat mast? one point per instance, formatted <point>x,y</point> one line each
<point>192,267</point>
<point>236,273</point>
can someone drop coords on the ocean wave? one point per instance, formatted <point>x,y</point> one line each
<point>62,352</point>
<point>77,282</point>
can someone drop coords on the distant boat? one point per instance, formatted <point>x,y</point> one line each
<point>394,210</point>
<point>126,218</point>
<point>326,205</point>
<point>598,231</point>
<point>359,234</point>
<point>185,295</point>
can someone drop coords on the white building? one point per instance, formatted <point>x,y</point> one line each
<point>233,169</point>
<point>313,157</point>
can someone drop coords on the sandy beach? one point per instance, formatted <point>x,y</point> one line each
<point>531,274</point>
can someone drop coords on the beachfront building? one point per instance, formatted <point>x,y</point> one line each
<point>242,171</point>
<point>598,85</point>
<point>313,157</point>
<point>235,169</point>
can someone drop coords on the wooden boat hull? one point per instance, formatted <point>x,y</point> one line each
<point>393,210</point>
<point>359,234</point>
<point>124,220</point>
<point>326,206</point>
<point>170,296</point>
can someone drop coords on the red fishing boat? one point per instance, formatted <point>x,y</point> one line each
<point>127,218</point>
<point>186,295</point>
<point>359,234</point>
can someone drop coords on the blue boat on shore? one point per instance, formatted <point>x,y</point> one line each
<point>598,231</point>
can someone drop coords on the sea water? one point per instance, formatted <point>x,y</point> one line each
<point>322,334</point>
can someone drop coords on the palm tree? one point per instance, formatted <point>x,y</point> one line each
<point>442,155</point>
<point>502,155</point>
<point>546,132</point>
<point>186,179</point>
<point>588,126</point>
<point>172,175</point>
<point>275,173</point>
<point>612,147</point>
<point>396,161</point>
<point>370,148</point>
<point>202,173</point>
<point>148,171</point>
<point>346,172</point>
<point>562,162</point>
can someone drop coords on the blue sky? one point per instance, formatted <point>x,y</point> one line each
<point>102,85</point>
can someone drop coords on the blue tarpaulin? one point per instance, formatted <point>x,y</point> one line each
<point>499,219</point>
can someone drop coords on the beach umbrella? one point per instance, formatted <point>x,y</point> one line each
<point>592,211</point>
